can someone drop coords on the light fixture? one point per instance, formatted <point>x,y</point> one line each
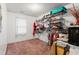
<point>34,7</point>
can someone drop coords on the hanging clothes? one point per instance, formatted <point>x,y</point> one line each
<point>34,28</point>
<point>53,37</point>
<point>50,36</point>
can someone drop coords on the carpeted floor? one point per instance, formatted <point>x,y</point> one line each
<point>28,47</point>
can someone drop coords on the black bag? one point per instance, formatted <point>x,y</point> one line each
<point>73,36</point>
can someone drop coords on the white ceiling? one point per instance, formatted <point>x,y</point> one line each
<point>32,9</point>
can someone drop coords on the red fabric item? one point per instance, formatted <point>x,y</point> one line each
<point>34,28</point>
<point>77,21</point>
<point>53,36</point>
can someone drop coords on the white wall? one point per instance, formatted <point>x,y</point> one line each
<point>11,27</point>
<point>3,34</point>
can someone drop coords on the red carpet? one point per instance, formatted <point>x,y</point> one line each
<point>28,47</point>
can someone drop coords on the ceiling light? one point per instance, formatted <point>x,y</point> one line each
<point>34,7</point>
